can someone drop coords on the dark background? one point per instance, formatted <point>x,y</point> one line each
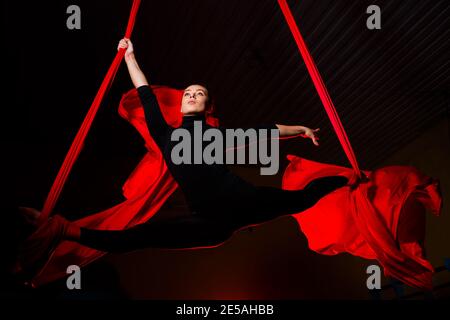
<point>389,87</point>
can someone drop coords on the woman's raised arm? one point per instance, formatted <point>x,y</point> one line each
<point>137,76</point>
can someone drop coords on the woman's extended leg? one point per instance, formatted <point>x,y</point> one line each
<point>189,231</point>
<point>268,203</point>
<point>176,233</point>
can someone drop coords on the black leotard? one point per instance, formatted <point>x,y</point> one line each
<point>202,184</point>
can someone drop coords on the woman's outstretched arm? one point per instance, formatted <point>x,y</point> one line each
<point>286,131</point>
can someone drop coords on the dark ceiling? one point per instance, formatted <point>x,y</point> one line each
<point>388,85</point>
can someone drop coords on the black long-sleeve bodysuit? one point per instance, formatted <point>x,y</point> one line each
<point>220,202</point>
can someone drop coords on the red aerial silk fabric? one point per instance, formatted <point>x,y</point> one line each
<point>320,86</point>
<point>77,144</point>
<point>365,222</point>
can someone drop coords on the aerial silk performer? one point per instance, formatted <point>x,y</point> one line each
<point>372,214</point>
<point>220,202</point>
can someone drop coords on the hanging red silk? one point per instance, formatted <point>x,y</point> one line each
<point>78,142</point>
<point>364,222</point>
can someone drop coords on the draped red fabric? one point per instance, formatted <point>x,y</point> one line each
<point>382,219</point>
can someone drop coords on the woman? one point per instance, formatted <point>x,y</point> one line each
<point>220,202</point>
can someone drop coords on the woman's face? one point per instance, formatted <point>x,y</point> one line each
<point>195,99</point>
